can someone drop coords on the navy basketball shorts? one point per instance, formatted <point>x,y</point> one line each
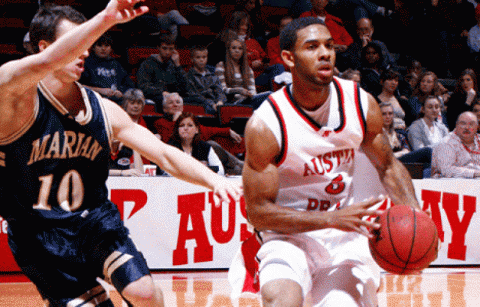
<point>64,264</point>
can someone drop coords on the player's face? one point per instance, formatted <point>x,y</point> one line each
<point>199,59</point>
<point>390,85</point>
<point>466,83</point>
<point>431,109</point>
<point>166,51</point>
<point>72,71</point>
<point>427,84</point>
<point>236,50</point>
<point>314,55</point>
<point>466,128</point>
<point>102,51</point>
<point>387,114</point>
<point>134,107</point>
<point>187,129</point>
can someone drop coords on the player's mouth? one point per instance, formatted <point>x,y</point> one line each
<point>325,70</point>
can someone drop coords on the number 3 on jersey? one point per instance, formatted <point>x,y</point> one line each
<point>69,194</point>
<point>336,186</point>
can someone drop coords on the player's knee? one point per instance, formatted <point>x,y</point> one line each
<point>141,290</point>
<point>284,293</point>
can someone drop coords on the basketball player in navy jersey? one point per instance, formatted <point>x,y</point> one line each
<point>55,138</point>
<point>301,146</point>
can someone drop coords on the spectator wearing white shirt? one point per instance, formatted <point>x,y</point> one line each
<point>458,155</point>
<point>427,131</point>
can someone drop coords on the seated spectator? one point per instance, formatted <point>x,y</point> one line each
<point>463,96</point>
<point>427,86</point>
<point>103,73</point>
<point>372,67</point>
<point>273,45</point>
<point>399,144</point>
<point>204,86</point>
<point>351,58</point>
<point>352,74</point>
<point>124,161</point>
<point>427,130</point>
<point>161,73</point>
<point>186,137</point>
<point>476,110</point>
<point>164,127</point>
<point>473,40</point>
<point>389,81</point>
<point>253,9</point>
<point>240,23</point>
<point>334,24</point>
<point>235,74</point>
<point>458,155</point>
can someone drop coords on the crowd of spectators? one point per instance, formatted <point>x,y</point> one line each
<point>402,52</point>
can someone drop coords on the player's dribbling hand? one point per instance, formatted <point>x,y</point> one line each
<point>352,218</point>
<point>121,11</point>
<point>224,189</point>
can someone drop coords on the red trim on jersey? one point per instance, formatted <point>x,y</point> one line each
<point>341,103</point>
<point>361,118</point>
<point>312,124</point>
<point>284,146</point>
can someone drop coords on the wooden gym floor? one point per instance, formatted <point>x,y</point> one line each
<point>435,287</point>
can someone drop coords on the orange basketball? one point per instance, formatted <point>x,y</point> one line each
<point>406,241</point>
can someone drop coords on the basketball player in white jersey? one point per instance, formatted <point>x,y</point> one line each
<point>301,145</point>
<point>55,141</point>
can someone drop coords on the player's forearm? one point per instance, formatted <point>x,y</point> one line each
<point>269,216</point>
<point>182,166</point>
<point>397,182</point>
<point>74,43</point>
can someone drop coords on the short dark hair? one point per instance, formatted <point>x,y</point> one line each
<point>389,74</point>
<point>105,39</point>
<point>44,24</point>
<point>195,48</point>
<point>165,39</point>
<point>288,36</point>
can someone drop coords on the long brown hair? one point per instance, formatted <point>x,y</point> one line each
<point>230,68</point>
<point>436,88</point>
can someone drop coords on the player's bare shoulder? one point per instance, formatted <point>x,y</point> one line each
<point>261,145</point>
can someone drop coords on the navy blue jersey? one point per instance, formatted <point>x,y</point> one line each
<point>54,170</point>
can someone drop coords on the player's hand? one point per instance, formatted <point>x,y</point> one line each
<point>224,189</point>
<point>121,11</point>
<point>352,218</point>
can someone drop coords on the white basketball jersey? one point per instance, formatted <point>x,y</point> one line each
<point>316,162</point>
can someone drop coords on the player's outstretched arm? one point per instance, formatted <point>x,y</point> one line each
<point>261,184</point>
<point>169,158</point>
<point>393,175</point>
<point>19,76</point>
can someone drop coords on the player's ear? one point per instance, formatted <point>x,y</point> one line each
<point>287,57</point>
<point>43,44</point>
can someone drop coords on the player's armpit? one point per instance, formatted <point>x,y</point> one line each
<point>393,175</point>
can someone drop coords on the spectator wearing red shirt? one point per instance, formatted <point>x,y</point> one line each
<point>164,127</point>
<point>273,45</point>
<point>333,23</point>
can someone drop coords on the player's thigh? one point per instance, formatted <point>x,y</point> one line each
<point>124,265</point>
<point>282,292</point>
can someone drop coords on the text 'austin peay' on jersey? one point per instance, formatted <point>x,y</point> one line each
<point>316,161</point>
<point>53,171</point>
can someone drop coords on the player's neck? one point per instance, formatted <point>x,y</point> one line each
<point>67,93</point>
<point>310,98</point>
